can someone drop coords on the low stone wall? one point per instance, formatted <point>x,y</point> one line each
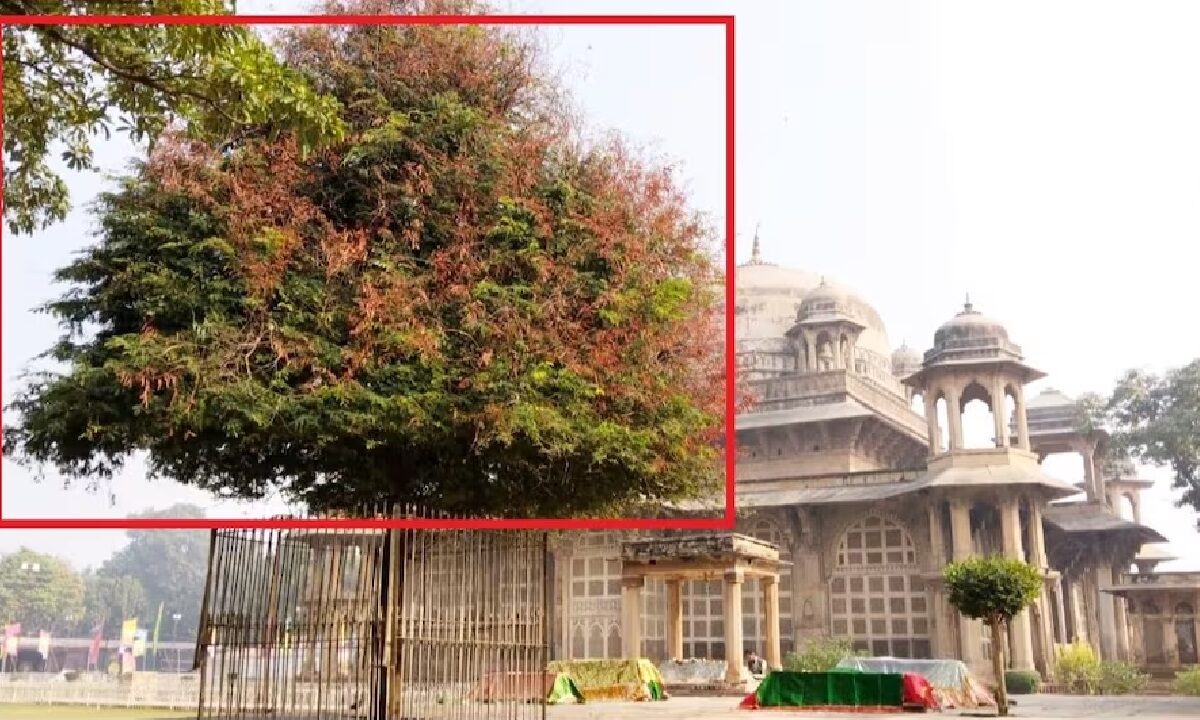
<point>692,672</point>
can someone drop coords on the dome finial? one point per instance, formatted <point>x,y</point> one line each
<point>967,306</point>
<point>756,247</point>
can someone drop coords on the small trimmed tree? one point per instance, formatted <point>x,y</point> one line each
<point>993,589</point>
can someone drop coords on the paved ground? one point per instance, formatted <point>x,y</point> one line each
<point>1033,707</point>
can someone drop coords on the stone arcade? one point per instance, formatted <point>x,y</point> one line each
<point>854,464</point>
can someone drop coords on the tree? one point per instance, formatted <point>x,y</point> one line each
<point>1156,419</point>
<point>64,85</point>
<point>993,589</point>
<point>110,600</point>
<point>169,566</point>
<point>41,592</point>
<point>461,305</point>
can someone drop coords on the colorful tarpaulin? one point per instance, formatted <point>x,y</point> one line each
<point>613,679</point>
<point>831,691</point>
<point>953,684</point>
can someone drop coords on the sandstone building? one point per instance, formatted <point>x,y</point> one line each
<point>855,465</point>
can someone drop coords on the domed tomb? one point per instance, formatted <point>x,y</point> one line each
<point>771,299</point>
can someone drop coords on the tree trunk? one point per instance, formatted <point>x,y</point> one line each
<point>998,669</point>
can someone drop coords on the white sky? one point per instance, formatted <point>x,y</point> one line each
<point>1043,156</point>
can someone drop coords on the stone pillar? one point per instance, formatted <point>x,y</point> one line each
<point>1107,614</point>
<point>1086,453</point>
<point>1122,623</point>
<point>770,600</point>
<point>969,631</point>
<point>735,670</point>
<point>1037,537</point>
<point>1137,643</point>
<point>999,417</point>
<point>1020,634</point>
<point>1022,419</point>
<point>931,420</point>
<point>937,541</point>
<point>631,616</point>
<point>1062,614</point>
<point>1170,639</point>
<point>811,355</point>
<point>675,619</point>
<point>954,418</point>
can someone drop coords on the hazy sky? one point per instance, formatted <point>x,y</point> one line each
<point>1043,156</point>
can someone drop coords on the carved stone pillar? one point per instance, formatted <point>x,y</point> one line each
<point>954,417</point>
<point>931,421</point>
<point>1022,419</point>
<point>1087,454</point>
<point>735,670</point>
<point>969,631</point>
<point>1122,622</point>
<point>770,600</point>
<point>1019,630</point>
<point>1107,614</point>
<point>1062,615</point>
<point>1037,537</point>
<point>631,616</point>
<point>674,619</point>
<point>1170,639</point>
<point>999,417</point>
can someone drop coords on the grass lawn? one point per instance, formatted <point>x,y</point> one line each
<point>70,712</point>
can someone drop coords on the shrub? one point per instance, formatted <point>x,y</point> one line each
<point>1187,682</point>
<point>1082,672</point>
<point>819,655</point>
<point>1121,678</point>
<point>1022,682</point>
<point>1077,668</point>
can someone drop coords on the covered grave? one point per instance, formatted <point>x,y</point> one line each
<point>953,684</point>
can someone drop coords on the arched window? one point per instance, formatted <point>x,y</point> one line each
<point>877,596</point>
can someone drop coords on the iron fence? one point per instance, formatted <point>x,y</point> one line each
<point>374,624</point>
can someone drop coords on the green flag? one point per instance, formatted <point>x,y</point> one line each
<point>157,625</point>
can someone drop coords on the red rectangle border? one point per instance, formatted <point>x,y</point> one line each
<point>725,522</point>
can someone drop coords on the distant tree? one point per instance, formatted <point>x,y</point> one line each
<point>1156,419</point>
<point>64,85</point>
<point>462,305</point>
<point>109,600</point>
<point>169,567</point>
<point>39,591</point>
<point>993,589</point>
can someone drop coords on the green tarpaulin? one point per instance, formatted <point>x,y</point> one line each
<point>842,688</point>
<point>563,690</point>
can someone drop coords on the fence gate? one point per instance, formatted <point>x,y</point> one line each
<point>375,624</point>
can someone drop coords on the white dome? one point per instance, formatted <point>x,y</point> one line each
<point>768,302</point>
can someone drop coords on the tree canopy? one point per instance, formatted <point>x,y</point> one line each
<point>461,304</point>
<point>1156,418</point>
<point>993,589</point>
<point>39,591</point>
<point>169,566</point>
<point>64,85</point>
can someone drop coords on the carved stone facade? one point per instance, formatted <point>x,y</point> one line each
<point>852,462</point>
